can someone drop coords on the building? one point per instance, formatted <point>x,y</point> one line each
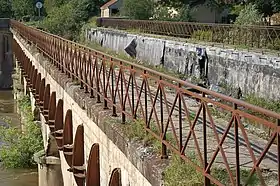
<point>204,14</point>
<point>111,8</point>
<point>275,19</point>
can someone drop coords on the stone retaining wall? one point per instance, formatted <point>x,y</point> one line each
<point>252,72</point>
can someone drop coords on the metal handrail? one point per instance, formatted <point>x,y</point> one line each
<point>161,101</point>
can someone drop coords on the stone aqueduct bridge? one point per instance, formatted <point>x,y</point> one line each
<point>89,100</point>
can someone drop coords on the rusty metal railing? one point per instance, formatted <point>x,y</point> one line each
<point>73,150</point>
<point>183,121</point>
<point>249,36</point>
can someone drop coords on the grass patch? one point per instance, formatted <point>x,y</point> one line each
<point>180,173</point>
<point>269,104</point>
<point>136,131</point>
<point>223,177</point>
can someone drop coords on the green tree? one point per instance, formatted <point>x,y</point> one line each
<point>249,16</point>
<point>267,7</point>
<point>5,9</point>
<point>19,146</point>
<point>67,20</point>
<point>23,8</point>
<point>163,13</point>
<point>178,3</point>
<point>50,4</point>
<point>136,9</point>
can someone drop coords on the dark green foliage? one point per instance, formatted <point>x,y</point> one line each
<point>23,8</point>
<point>135,9</point>
<point>163,13</point>
<point>50,4</point>
<point>179,3</point>
<point>249,15</point>
<point>267,7</point>
<point>67,19</point>
<point>5,9</point>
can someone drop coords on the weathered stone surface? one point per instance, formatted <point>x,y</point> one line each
<point>6,61</point>
<point>252,72</point>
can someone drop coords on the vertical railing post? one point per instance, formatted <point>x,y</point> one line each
<point>122,95</point>
<point>113,90</point>
<point>97,81</point>
<point>163,146</point>
<point>132,92</point>
<point>236,140</point>
<point>206,180</point>
<point>146,100</point>
<point>81,72</point>
<point>86,75</point>
<point>91,75</point>
<point>105,106</point>
<point>63,56</point>
<point>278,148</point>
<point>180,118</point>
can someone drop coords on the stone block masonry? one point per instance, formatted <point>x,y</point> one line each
<point>252,72</point>
<point>115,150</point>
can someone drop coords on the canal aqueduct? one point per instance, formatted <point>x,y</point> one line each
<point>86,97</point>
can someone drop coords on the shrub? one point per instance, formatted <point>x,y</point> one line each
<point>202,35</point>
<point>269,104</point>
<point>249,16</point>
<point>136,9</point>
<point>275,45</point>
<point>181,173</point>
<point>165,13</point>
<point>19,146</point>
<point>66,20</point>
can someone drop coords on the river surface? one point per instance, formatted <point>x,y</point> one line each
<point>13,177</point>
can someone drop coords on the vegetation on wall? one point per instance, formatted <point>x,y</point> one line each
<point>20,146</point>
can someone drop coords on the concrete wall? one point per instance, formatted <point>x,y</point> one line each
<point>252,72</point>
<point>115,151</point>
<point>204,14</point>
<point>105,12</point>
<point>6,60</point>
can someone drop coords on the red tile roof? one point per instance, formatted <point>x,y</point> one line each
<point>109,3</point>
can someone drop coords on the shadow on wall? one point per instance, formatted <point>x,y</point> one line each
<point>6,61</point>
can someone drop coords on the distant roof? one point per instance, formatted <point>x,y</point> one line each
<point>109,3</point>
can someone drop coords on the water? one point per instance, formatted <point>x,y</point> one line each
<point>13,177</point>
<point>18,177</point>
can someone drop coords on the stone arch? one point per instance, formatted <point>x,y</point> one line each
<point>68,138</point>
<point>115,179</point>
<point>93,168</point>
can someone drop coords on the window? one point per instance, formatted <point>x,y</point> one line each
<point>115,11</point>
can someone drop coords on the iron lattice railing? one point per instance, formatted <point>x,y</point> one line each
<point>243,36</point>
<point>182,116</point>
